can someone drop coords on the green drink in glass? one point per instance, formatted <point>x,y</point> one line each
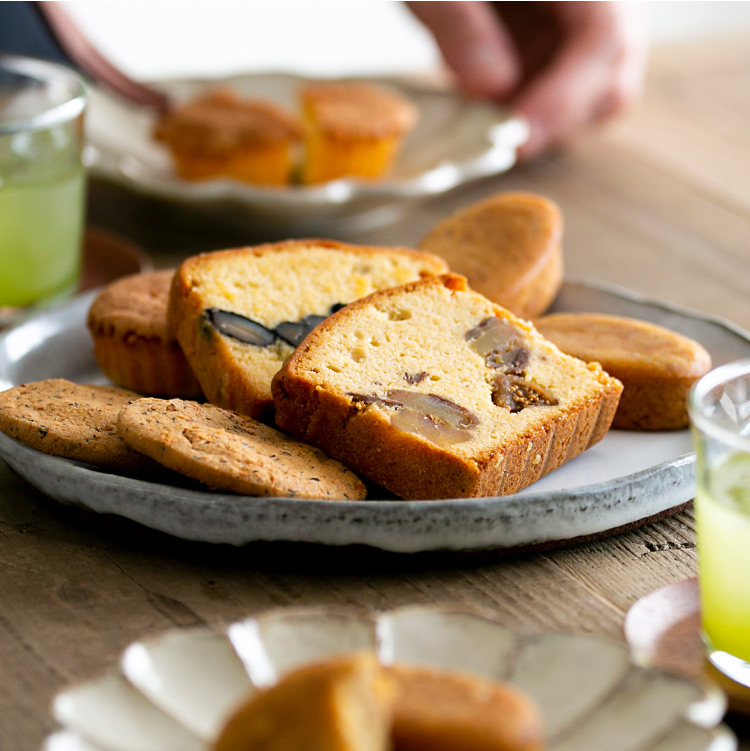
<point>42,183</point>
<point>720,413</point>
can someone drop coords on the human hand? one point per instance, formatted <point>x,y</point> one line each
<point>561,65</point>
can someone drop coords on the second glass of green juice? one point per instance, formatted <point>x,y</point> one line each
<point>720,415</point>
<point>42,183</point>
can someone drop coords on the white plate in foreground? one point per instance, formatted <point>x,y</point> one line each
<point>627,477</point>
<point>174,691</point>
<point>455,141</point>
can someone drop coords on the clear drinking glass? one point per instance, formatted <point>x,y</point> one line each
<point>42,183</point>
<point>720,413</point>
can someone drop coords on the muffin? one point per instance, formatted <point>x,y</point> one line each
<point>354,129</point>
<point>133,343</point>
<point>220,134</point>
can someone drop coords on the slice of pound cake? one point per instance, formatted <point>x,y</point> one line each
<point>238,314</point>
<point>433,391</point>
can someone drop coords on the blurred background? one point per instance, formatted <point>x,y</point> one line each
<point>163,39</point>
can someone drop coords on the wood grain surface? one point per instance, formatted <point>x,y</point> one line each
<point>658,202</point>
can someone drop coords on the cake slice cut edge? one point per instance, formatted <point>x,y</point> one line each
<point>433,391</point>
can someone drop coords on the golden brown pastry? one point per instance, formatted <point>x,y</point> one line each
<point>353,129</point>
<point>133,343</point>
<point>340,705</point>
<point>220,134</point>
<point>433,391</point>
<point>508,247</point>
<point>437,710</point>
<point>657,366</point>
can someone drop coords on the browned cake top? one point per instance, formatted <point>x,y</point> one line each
<point>358,109</point>
<point>220,121</point>
<point>134,305</point>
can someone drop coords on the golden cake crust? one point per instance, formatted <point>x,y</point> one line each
<point>656,366</point>
<point>219,122</point>
<point>358,109</point>
<point>343,704</point>
<point>133,343</point>
<point>444,711</point>
<point>376,386</point>
<point>508,246</point>
<point>271,284</point>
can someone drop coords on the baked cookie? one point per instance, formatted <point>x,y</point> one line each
<point>342,704</point>
<point>238,314</point>
<point>73,421</point>
<point>444,711</point>
<point>508,247</point>
<point>227,451</point>
<point>433,391</point>
<point>657,366</point>
<point>133,344</point>
<point>220,134</point>
<point>354,128</point>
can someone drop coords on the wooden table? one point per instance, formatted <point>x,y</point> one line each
<point>658,202</point>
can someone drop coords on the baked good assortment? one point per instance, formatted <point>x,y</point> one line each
<point>346,129</point>
<point>508,246</point>
<point>353,128</point>
<point>220,134</point>
<point>352,703</point>
<point>368,359</point>
<point>433,391</point>
<point>133,343</point>
<point>238,314</point>
<point>73,421</point>
<point>227,451</point>
<point>657,366</point>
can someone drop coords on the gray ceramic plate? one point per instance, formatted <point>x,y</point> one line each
<point>627,477</point>
<point>455,141</point>
<point>174,690</point>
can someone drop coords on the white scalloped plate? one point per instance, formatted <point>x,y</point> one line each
<point>455,141</point>
<point>627,477</point>
<point>175,690</point>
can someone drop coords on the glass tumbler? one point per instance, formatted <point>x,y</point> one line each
<point>42,183</point>
<point>719,409</point>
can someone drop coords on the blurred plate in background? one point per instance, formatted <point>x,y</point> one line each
<point>455,141</point>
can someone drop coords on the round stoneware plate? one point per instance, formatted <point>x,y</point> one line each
<point>627,477</point>
<point>455,141</point>
<point>175,690</point>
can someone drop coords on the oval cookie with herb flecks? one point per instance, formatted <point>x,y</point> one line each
<point>72,421</point>
<point>228,451</point>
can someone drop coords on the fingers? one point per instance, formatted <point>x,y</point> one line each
<point>597,72</point>
<point>474,44</point>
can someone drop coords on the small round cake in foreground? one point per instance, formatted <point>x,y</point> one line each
<point>656,366</point>
<point>342,704</point>
<point>508,247</point>
<point>354,129</point>
<point>133,343</point>
<point>227,451</point>
<point>445,711</point>
<point>73,421</point>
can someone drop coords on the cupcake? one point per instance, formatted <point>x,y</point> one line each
<point>133,343</point>
<point>353,129</point>
<point>220,134</point>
